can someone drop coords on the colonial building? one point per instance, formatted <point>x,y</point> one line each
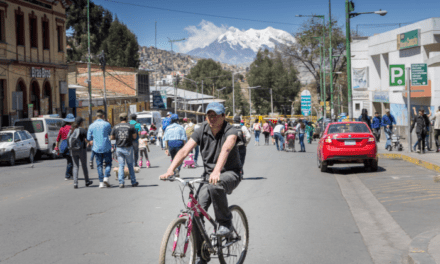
<point>33,70</point>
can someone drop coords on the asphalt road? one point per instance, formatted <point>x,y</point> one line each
<point>296,213</point>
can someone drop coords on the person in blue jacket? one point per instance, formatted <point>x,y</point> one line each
<point>365,118</point>
<point>388,121</point>
<point>375,125</point>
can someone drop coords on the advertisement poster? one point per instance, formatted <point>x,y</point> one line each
<point>306,103</point>
<point>360,78</point>
<point>157,100</point>
<point>164,97</point>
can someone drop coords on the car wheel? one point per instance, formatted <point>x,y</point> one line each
<point>31,156</point>
<point>323,166</point>
<point>12,159</point>
<point>37,155</point>
<point>374,165</point>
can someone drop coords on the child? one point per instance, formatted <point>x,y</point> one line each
<point>143,146</point>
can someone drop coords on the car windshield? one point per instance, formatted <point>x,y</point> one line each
<point>144,120</point>
<point>6,137</point>
<point>348,128</point>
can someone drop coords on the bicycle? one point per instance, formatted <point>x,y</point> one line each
<point>176,248</point>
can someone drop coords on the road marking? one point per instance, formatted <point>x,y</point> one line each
<point>384,238</point>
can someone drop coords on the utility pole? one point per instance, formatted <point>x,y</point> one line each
<point>348,58</point>
<point>323,69</point>
<point>203,106</point>
<point>271,100</point>
<point>330,57</point>
<point>89,81</point>
<point>155,48</point>
<point>103,62</point>
<point>175,88</point>
<point>233,95</point>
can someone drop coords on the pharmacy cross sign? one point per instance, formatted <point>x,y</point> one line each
<point>397,75</point>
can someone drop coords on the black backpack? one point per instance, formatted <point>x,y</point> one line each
<point>73,140</point>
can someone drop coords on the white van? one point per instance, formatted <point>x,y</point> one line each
<point>44,130</point>
<point>149,117</point>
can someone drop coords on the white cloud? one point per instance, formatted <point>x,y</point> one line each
<point>201,35</point>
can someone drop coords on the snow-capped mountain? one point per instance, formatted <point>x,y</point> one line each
<point>237,47</point>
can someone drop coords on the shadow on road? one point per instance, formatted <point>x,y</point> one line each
<point>255,178</point>
<point>352,170</point>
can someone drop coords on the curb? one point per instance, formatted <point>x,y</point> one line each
<point>418,249</point>
<point>416,161</point>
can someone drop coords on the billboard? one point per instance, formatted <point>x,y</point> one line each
<point>360,78</point>
<point>408,39</point>
<point>306,103</point>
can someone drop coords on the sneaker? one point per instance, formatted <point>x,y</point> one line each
<point>223,231</point>
<point>101,185</point>
<point>89,183</point>
<point>135,185</point>
<point>106,182</point>
<point>200,260</point>
<point>75,186</point>
<point>91,165</point>
<point>68,178</point>
<point>121,186</point>
<point>438,150</point>
<point>418,151</point>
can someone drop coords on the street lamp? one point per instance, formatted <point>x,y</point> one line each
<point>349,8</point>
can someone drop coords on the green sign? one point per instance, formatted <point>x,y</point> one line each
<point>397,75</point>
<point>419,74</point>
<point>408,40</point>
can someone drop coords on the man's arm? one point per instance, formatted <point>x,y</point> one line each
<point>413,124</point>
<point>178,159</point>
<point>222,158</point>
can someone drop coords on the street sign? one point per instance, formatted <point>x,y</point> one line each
<point>397,75</point>
<point>419,74</point>
<point>306,103</point>
<point>322,103</point>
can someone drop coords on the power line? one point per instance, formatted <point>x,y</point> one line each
<point>202,14</point>
<point>121,81</point>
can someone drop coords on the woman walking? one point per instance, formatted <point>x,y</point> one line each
<point>79,151</point>
<point>301,130</point>
<point>266,132</point>
<point>257,131</point>
<point>278,135</point>
<point>61,145</point>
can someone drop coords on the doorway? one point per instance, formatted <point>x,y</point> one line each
<point>47,93</point>
<point>35,98</point>
<point>21,87</point>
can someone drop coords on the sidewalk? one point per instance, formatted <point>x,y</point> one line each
<point>429,160</point>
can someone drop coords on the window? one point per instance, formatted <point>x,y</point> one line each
<point>33,31</point>
<point>34,126</point>
<point>19,28</point>
<point>60,38</point>
<point>358,107</point>
<point>45,27</point>
<point>2,26</point>
<point>23,135</point>
<point>16,137</point>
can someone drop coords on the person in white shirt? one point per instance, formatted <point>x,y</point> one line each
<point>301,130</point>
<point>278,132</point>
<point>244,137</point>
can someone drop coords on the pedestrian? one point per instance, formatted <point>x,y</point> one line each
<point>125,134</point>
<point>62,147</point>
<point>375,125</point>
<point>301,130</point>
<point>309,132</point>
<point>143,147</point>
<point>421,121</point>
<point>92,155</point>
<point>98,136</point>
<point>166,121</point>
<point>257,130</point>
<point>244,137</point>
<point>197,148</point>
<point>388,121</point>
<point>272,125</point>
<point>365,118</point>
<point>436,126</point>
<point>78,151</point>
<point>174,139</point>
<point>135,142</point>
<point>160,137</point>
<point>278,132</point>
<point>266,132</point>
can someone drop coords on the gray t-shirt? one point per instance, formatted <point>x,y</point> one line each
<point>210,147</point>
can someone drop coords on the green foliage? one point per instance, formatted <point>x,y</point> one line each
<point>271,70</point>
<point>101,21</point>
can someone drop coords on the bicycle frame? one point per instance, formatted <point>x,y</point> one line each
<point>196,209</point>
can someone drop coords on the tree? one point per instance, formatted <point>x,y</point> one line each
<point>306,49</point>
<point>121,46</point>
<point>272,70</point>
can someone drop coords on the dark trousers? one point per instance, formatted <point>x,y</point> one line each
<point>376,132</point>
<point>69,168</point>
<point>421,140</point>
<point>436,136</point>
<point>242,154</point>
<point>173,151</point>
<point>144,153</point>
<point>208,194</point>
<point>136,152</point>
<point>266,137</point>
<point>78,156</point>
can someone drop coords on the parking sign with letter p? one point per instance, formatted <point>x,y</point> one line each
<point>397,75</point>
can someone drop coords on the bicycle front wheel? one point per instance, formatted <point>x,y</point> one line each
<point>233,249</point>
<point>172,249</point>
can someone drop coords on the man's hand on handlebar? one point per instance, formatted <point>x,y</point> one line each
<point>166,175</point>
<point>214,178</point>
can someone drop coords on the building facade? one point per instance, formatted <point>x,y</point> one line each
<point>374,58</point>
<point>33,70</point>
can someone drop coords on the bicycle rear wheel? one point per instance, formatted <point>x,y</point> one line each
<point>238,242</point>
<point>173,242</point>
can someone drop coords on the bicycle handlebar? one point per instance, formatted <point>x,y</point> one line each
<point>200,180</point>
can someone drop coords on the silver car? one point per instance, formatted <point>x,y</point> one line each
<point>16,144</point>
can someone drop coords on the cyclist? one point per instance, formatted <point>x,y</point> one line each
<point>221,161</point>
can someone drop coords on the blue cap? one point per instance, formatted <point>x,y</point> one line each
<point>70,118</point>
<point>218,108</point>
<point>174,117</point>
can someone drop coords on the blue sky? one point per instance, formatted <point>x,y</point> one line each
<point>178,25</point>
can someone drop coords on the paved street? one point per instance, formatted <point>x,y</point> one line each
<point>295,212</point>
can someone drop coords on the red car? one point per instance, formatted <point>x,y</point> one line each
<point>347,142</point>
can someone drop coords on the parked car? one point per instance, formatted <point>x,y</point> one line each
<point>44,130</point>
<point>16,144</point>
<point>149,117</point>
<point>347,142</point>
